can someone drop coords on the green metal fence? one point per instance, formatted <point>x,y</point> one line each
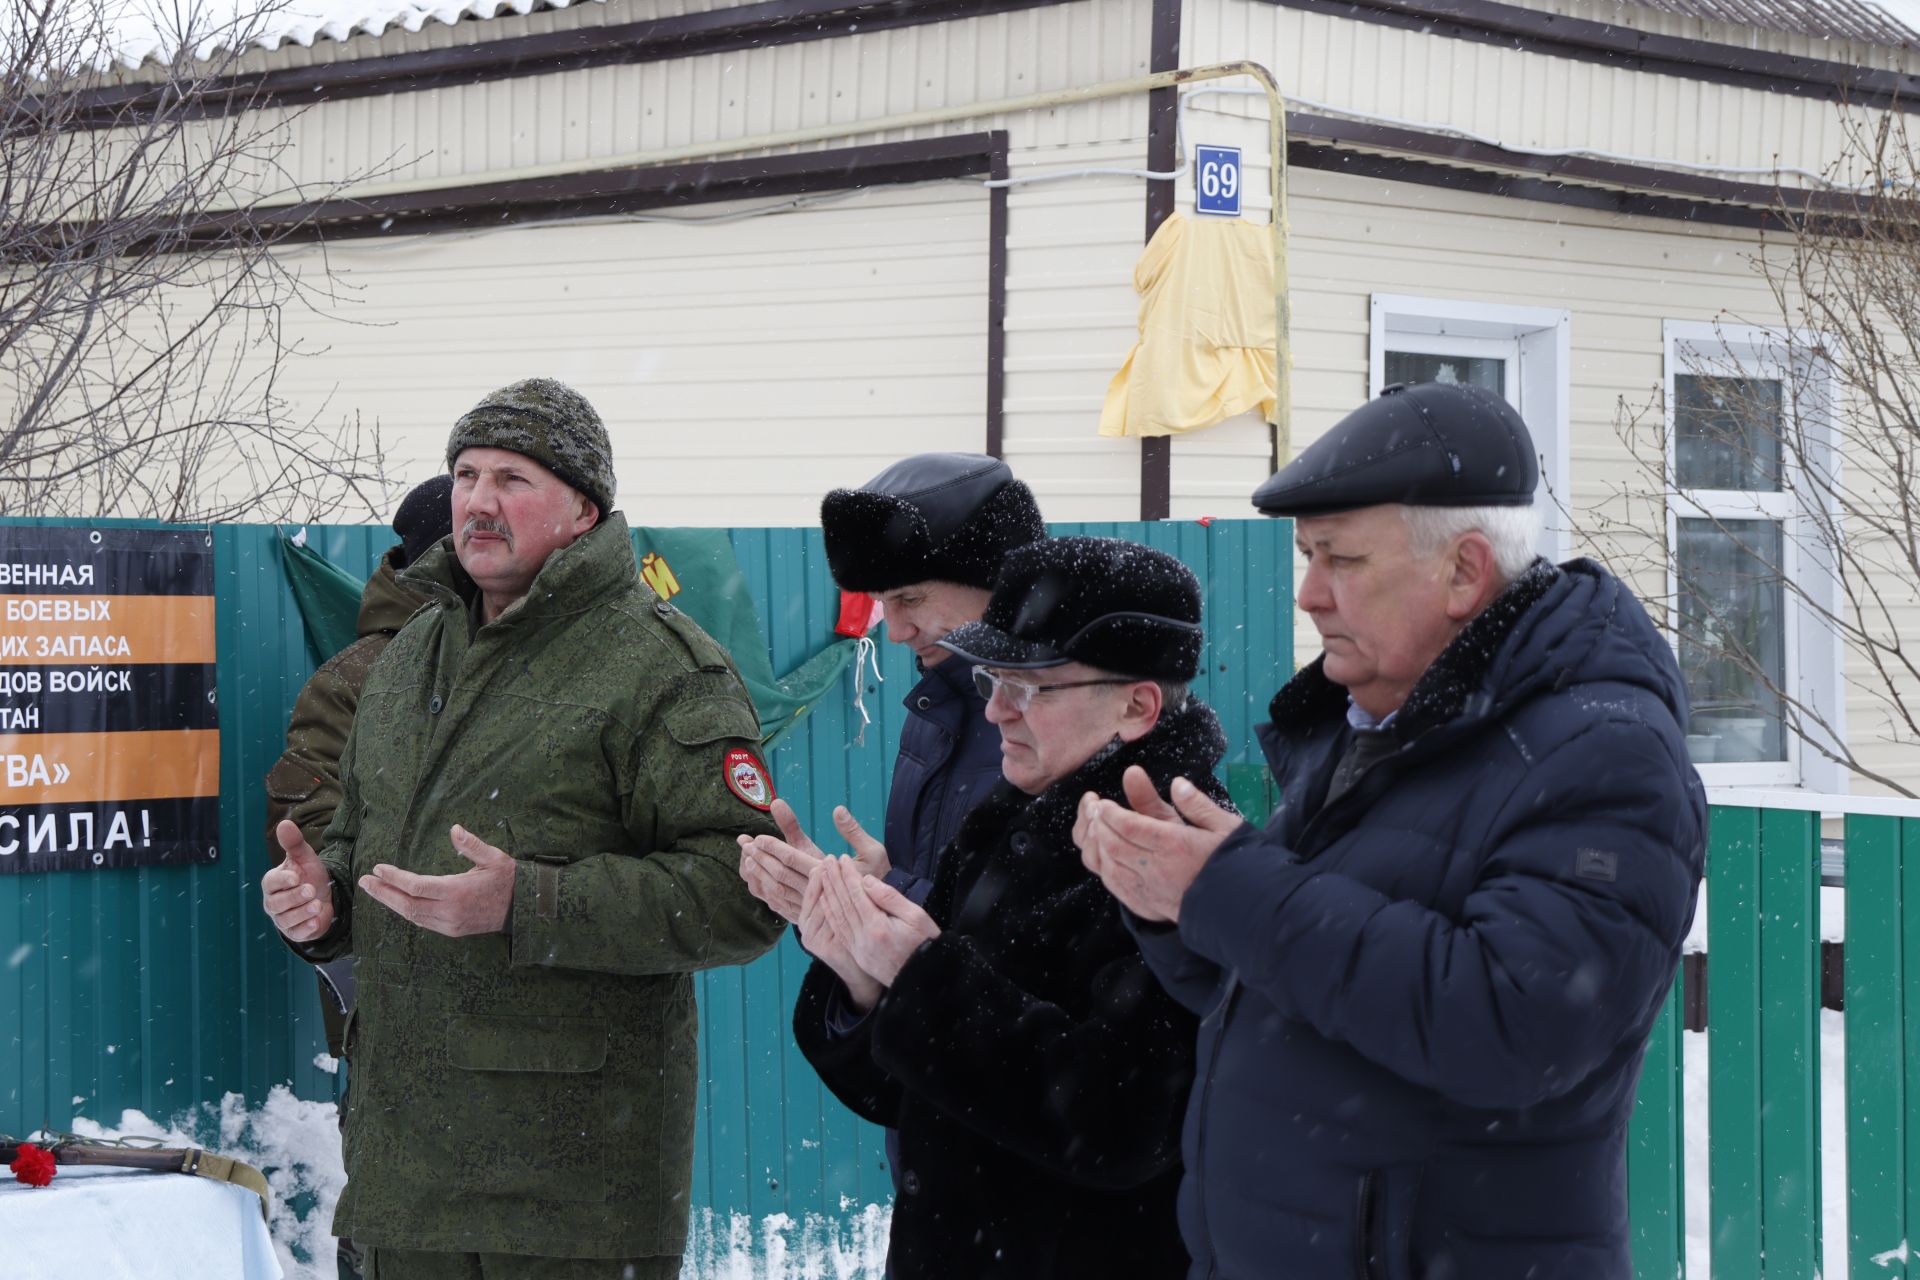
<point>1764,1193</point>
<point>165,988</point>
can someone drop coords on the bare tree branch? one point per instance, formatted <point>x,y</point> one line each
<point>143,306</point>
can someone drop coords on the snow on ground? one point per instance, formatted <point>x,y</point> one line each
<point>296,1144</point>
<point>780,1248</point>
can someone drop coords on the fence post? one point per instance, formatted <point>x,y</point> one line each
<point>1879,1066</point>
<point>1733,996</point>
<point>1656,1192</point>
<point>1790,1040</point>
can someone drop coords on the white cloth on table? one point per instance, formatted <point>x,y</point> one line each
<point>96,1223</point>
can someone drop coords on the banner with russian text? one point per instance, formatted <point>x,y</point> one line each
<point>109,729</point>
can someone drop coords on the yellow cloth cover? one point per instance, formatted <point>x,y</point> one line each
<point>1206,330</point>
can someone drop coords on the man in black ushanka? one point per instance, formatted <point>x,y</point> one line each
<point>1428,983</point>
<point>1010,1030</point>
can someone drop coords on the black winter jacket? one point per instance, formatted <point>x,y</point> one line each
<point>1034,1069</point>
<point>1425,1004</point>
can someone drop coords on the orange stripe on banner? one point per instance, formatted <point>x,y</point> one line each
<point>68,768</point>
<point>51,630</point>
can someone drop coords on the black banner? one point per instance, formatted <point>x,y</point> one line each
<point>81,837</point>
<point>109,728</point>
<point>50,560</point>
<point>80,699</point>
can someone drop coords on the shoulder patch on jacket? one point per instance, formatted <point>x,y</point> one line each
<point>748,779</point>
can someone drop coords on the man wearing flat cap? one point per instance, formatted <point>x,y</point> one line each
<point>1428,983</point>
<point>533,852</point>
<point>1009,1030</point>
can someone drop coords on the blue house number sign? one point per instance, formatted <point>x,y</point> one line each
<point>1216,181</point>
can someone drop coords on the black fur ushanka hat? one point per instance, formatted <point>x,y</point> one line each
<point>934,517</point>
<point>1106,602</point>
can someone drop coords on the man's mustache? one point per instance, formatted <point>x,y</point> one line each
<point>486,524</point>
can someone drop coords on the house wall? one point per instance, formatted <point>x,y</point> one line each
<point>1521,97</point>
<point>709,439</point>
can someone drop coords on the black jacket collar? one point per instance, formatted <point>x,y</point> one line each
<point>1452,688</point>
<point>1186,743</point>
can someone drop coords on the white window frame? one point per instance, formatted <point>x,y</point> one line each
<point>1535,342</point>
<point>1812,655</point>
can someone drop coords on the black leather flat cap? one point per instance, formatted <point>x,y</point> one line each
<point>1425,445</point>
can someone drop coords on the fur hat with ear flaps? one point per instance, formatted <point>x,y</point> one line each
<point>934,517</point>
<point>1105,602</point>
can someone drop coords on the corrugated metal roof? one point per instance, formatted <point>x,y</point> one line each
<point>1889,22</point>
<point>148,31</point>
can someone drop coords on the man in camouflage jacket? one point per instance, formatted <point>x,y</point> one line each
<point>534,850</point>
<point>304,784</point>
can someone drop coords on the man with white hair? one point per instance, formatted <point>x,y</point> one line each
<point>1427,985</point>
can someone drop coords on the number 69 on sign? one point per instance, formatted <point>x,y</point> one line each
<point>1216,181</point>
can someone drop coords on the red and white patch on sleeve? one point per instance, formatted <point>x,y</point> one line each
<point>747,778</point>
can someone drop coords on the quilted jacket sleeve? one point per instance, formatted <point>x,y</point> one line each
<point>1541,976</point>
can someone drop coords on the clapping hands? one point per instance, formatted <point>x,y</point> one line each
<point>776,870</point>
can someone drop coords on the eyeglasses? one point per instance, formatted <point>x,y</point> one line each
<point>1018,693</point>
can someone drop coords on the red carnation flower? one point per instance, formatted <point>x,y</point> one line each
<point>33,1165</point>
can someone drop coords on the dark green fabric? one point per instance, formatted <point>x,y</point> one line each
<point>533,1091</point>
<point>710,589</point>
<point>328,596</point>
<point>713,591</point>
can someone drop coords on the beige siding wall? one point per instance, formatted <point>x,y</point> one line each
<point>743,367</point>
<point>1072,245</point>
<point>606,114</point>
<point>1521,98</point>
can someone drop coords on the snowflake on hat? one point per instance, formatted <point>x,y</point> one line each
<point>32,1165</point>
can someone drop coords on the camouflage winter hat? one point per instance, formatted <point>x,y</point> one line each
<point>549,422</point>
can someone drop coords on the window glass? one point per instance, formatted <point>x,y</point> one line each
<point>1727,432</point>
<point>1732,638</point>
<point>1476,371</point>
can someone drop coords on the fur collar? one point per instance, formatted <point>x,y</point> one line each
<point>1186,743</point>
<point>1450,688</point>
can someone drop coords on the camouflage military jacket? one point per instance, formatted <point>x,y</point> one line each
<point>533,1092</point>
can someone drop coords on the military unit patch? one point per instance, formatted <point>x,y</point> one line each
<point>747,778</point>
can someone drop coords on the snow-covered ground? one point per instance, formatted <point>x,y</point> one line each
<point>294,1142</point>
<point>297,1145</point>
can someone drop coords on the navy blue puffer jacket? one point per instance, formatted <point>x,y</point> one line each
<point>1425,1004</point>
<point>949,759</point>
